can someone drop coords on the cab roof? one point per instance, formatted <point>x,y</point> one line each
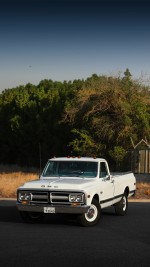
<point>72,158</point>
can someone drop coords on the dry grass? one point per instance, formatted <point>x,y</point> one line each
<point>143,190</point>
<point>10,181</point>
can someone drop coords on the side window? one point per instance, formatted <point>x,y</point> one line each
<point>103,170</point>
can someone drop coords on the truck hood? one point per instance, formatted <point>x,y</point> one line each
<point>59,183</point>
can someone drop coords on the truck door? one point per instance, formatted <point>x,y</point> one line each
<point>106,186</point>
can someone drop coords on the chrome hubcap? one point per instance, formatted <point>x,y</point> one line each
<point>91,213</point>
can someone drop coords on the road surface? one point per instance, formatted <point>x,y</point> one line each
<point>59,241</point>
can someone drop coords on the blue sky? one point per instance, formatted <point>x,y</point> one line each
<point>67,40</point>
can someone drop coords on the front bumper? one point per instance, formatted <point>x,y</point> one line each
<point>58,208</point>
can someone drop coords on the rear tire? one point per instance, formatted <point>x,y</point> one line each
<point>122,206</point>
<point>31,217</point>
<point>92,216</point>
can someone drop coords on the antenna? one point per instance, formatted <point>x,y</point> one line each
<point>40,158</point>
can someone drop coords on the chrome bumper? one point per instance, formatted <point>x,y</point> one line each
<point>58,208</point>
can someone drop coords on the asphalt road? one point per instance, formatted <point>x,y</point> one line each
<point>59,241</point>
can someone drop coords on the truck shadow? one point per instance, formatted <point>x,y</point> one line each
<point>9,213</point>
<point>110,211</point>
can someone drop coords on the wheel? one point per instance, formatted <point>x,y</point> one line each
<point>31,217</point>
<point>122,206</point>
<point>92,216</point>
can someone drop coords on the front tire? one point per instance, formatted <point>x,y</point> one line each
<point>92,216</point>
<point>31,217</point>
<point>122,206</point>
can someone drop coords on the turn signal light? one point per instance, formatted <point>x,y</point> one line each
<point>24,202</point>
<point>75,204</point>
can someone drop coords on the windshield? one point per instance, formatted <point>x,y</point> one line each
<point>83,169</point>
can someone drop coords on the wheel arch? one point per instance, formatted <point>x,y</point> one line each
<point>126,191</point>
<point>96,197</point>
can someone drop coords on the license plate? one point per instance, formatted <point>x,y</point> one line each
<point>49,209</point>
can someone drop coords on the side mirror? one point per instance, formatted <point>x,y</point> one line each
<point>106,178</point>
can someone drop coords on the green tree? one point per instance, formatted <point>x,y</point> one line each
<point>111,110</point>
<point>98,115</point>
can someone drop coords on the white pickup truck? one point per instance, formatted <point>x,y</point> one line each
<point>81,186</point>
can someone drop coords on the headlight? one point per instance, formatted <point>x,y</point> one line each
<point>76,198</point>
<point>24,196</point>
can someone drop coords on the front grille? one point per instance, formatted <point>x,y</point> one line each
<point>39,197</point>
<point>48,197</point>
<point>59,197</point>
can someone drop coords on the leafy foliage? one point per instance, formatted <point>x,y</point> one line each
<point>97,116</point>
